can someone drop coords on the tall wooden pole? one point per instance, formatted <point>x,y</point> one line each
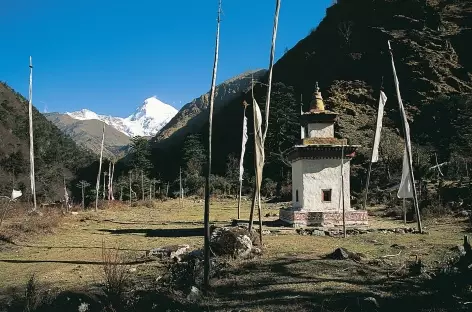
<point>104,184</point>
<point>97,186</point>
<point>181,195</point>
<point>30,113</point>
<point>130,191</point>
<point>83,195</point>
<point>407,142</point>
<point>111,181</point>
<point>267,106</point>
<point>254,193</point>
<point>342,191</point>
<point>150,189</point>
<point>206,268</point>
<point>372,152</point>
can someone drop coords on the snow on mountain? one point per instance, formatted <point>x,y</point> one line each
<point>147,120</point>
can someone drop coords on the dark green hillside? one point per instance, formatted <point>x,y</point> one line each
<point>56,155</point>
<point>348,55</point>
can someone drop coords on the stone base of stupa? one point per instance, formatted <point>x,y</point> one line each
<point>298,217</point>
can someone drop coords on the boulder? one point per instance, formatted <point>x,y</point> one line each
<point>194,295</point>
<point>343,254</point>
<point>233,242</point>
<point>170,252</point>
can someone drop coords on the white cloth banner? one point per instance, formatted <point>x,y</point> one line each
<point>259,144</point>
<point>406,188</point>
<point>302,129</point>
<point>378,128</point>
<point>243,149</point>
<point>15,194</point>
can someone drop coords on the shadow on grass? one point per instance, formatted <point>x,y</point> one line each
<point>72,261</point>
<point>287,284</point>
<point>190,232</point>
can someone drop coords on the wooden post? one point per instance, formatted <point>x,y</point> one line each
<point>404,211</point>
<point>83,196</point>
<point>130,191</point>
<point>66,196</point>
<point>30,112</point>
<point>342,191</point>
<point>150,189</point>
<point>267,106</point>
<point>407,143</point>
<point>206,267</point>
<point>104,184</point>
<point>97,187</point>
<point>142,184</point>
<point>167,189</point>
<point>239,198</point>
<point>181,191</point>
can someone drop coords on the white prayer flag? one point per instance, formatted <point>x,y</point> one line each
<point>302,129</point>
<point>15,194</point>
<point>378,129</point>
<point>406,188</point>
<point>243,149</point>
<point>259,144</point>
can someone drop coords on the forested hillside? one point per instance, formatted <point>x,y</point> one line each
<point>56,155</point>
<point>348,55</point>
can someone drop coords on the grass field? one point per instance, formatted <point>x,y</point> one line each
<point>290,275</point>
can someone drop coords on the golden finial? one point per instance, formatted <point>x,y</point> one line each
<point>317,103</point>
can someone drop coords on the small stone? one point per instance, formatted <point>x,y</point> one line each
<point>318,233</point>
<point>195,294</point>
<point>372,301</point>
<point>74,213</point>
<point>459,248</point>
<point>132,270</point>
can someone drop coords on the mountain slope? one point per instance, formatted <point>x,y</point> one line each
<point>192,115</point>
<point>56,155</point>
<point>348,55</point>
<point>88,133</point>
<point>147,119</point>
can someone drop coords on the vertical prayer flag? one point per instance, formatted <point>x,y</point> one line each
<point>378,128</point>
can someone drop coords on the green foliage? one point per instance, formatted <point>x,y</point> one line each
<point>56,155</point>
<point>193,155</point>
<point>140,154</point>
<point>284,127</point>
<point>447,123</point>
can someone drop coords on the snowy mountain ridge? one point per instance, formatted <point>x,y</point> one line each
<point>147,119</point>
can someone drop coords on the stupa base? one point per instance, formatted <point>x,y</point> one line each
<point>300,218</point>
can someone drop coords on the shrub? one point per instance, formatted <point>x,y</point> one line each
<point>116,276</point>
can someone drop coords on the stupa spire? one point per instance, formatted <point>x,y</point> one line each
<point>317,105</point>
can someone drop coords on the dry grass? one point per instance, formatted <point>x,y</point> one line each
<point>72,256</point>
<point>115,275</point>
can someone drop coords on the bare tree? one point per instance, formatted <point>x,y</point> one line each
<point>345,31</point>
<point>83,185</point>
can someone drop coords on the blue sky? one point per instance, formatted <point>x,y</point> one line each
<point>110,55</point>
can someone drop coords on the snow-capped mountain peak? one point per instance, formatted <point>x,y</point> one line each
<point>83,114</point>
<point>147,119</point>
